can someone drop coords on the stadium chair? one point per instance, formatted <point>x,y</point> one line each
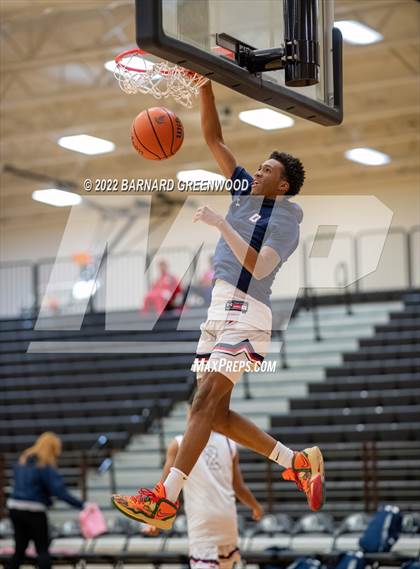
<point>7,542</point>
<point>314,523</point>
<point>179,531</point>
<point>116,538</point>
<point>270,526</point>
<point>313,532</point>
<point>351,525</point>
<point>180,528</point>
<point>70,528</point>
<point>141,543</point>
<point>118,526</point>
<point>69,537</point>
<point>411,523</point>
<point>409,540</point>
<point>6,528</point>
<point>54,531</point>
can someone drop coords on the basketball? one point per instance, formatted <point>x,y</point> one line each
<point>157,133</point>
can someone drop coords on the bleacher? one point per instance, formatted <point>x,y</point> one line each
<point>353,387</point>
<point>95,402</point>
<point>374,396</point>
<point>308,370</point>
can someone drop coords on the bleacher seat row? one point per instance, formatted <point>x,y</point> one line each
<point>374,395</point>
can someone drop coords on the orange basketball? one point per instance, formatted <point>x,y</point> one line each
<point>157,133</point>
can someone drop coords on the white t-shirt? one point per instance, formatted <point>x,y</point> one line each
<point>209,498</point>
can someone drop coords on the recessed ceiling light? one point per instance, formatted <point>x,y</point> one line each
<point>193,175</point>
<point>86,144</point>
<point>357,33</point>
<point>56,197</point>
<point>367,156</point>
<point>266,119</point>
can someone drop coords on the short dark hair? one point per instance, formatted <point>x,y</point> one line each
<point>294,171</point>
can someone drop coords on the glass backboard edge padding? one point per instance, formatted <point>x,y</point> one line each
<point>151,37</point>
<point>338,71</point>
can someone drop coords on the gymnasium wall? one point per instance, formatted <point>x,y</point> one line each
<point>44,242</point>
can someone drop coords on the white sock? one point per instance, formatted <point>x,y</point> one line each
<point>174,483</point>
<point>282,455</point>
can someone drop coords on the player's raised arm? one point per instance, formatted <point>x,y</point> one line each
<point>212,131</point>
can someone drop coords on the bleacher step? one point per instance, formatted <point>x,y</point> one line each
<point>289,376</point>
<point>337,321</point>
<point>140,464</point>
<point>149,457</point>
<point>249,407</point>
<point>349,331</point>
<point>259,389</point>
<point>370,308</point>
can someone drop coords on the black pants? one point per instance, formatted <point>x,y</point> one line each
<point>30,526</point>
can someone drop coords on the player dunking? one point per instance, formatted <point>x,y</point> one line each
<point>259,233</point>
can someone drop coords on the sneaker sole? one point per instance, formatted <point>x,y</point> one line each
<point>139,517</point>
<point>317,481</point>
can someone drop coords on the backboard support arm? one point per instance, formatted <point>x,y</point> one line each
<point>298,56</point>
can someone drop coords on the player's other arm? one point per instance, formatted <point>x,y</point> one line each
<point>212,131</point>
<point>259,264</point>
<point>243,493</point>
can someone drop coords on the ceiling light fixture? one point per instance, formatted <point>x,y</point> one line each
<point>367,156</point>
<point>56,197</point>
<point>266,119</point>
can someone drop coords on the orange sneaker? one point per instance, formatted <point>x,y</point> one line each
<point>307,472</point>
<point>148,506</point>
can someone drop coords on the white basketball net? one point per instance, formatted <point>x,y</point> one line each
<point>136,74</point>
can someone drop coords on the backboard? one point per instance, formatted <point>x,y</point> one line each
<point>187,32</point>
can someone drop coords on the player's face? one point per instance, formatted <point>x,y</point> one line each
<point>269,179</point>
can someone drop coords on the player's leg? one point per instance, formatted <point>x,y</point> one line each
<point>306,468</point>
<point>246,433</point>
<point>240,345</point>
<point>159,507</point>
<point>212,389</point>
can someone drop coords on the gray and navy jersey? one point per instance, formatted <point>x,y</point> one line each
<point>259,221</point>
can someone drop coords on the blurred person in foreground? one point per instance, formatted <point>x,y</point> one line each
<point>35,482</point>
<point>209,502</point>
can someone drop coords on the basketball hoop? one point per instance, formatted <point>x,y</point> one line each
<point>136,74</point>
